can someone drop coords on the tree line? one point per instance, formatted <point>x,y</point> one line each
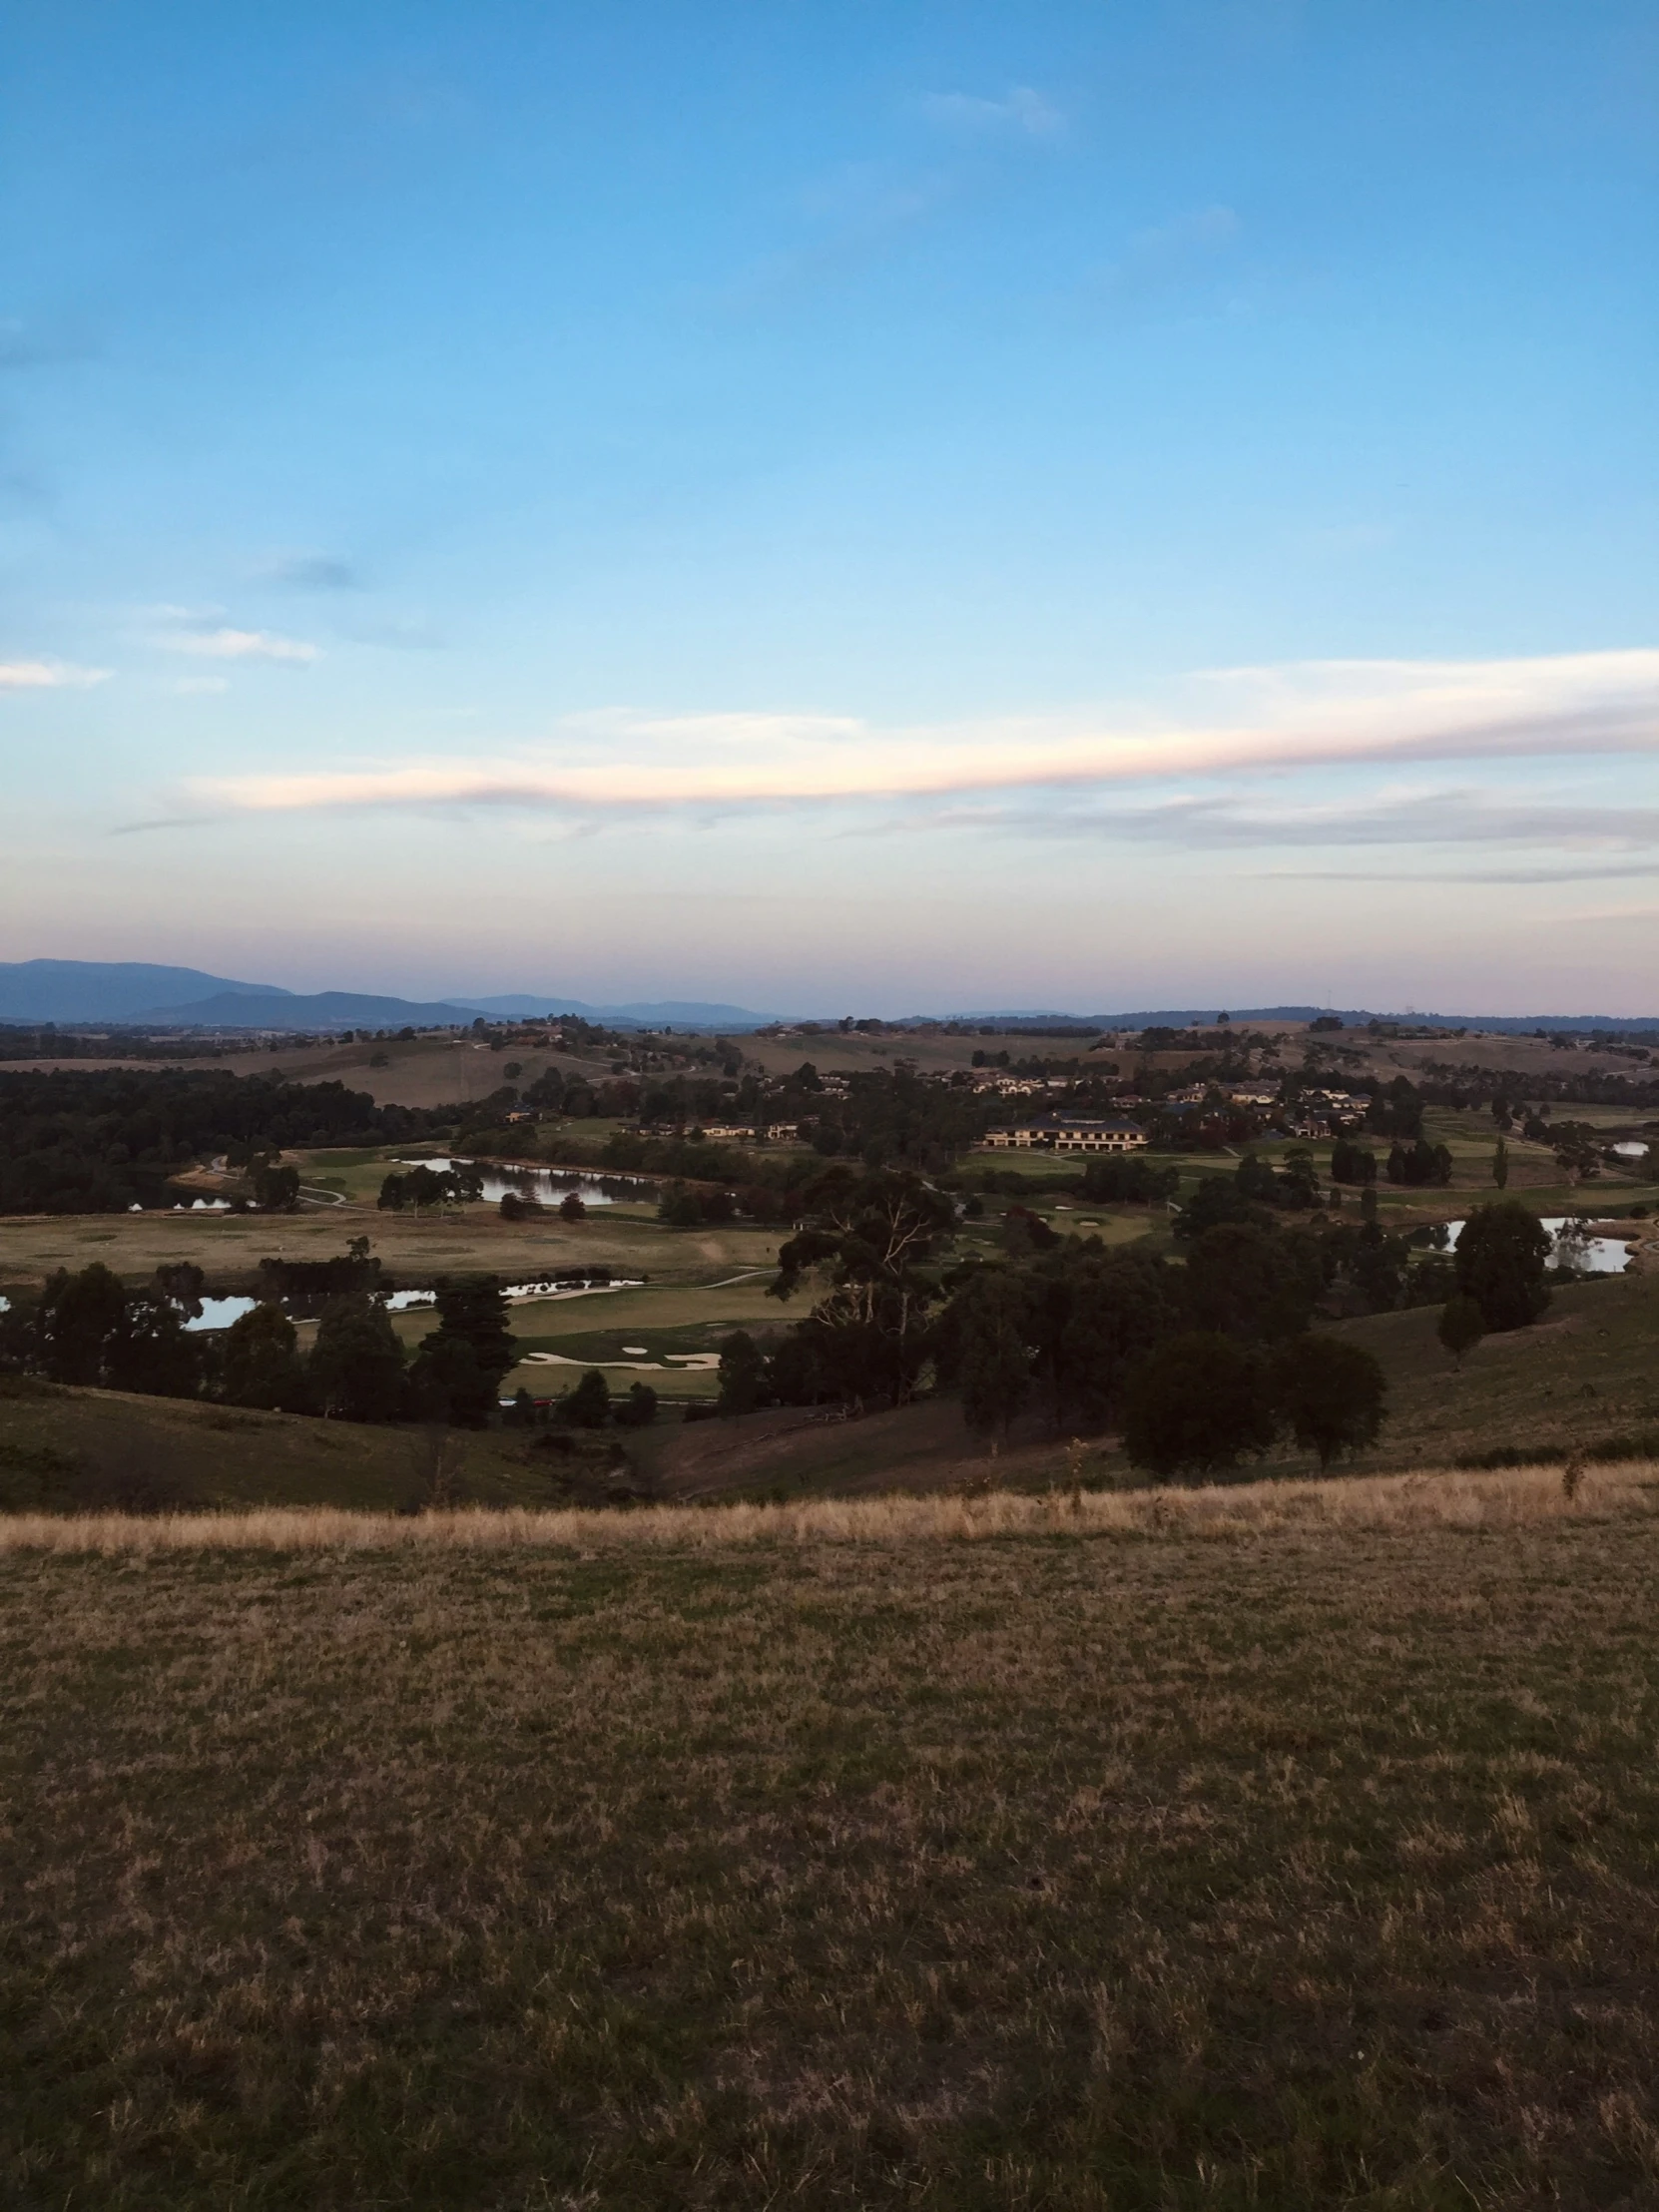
<point>101,1140</point>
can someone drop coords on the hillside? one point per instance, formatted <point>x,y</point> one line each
<point>1284,1848</point>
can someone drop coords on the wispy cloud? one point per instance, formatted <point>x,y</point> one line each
<point>241,645</point>
<point>1170,258</point>
<point>1433,815</point>
<point>313,572</point>
<point>1584,872</point>
<point>31,345</point>
<point>1020,112</point>
<point>857,214</point>
<point>48,676</point>
<point>1236,722</point>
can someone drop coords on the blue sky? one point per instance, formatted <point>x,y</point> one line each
<point>830,505</point>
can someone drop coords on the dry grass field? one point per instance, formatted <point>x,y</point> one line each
<point>1289,1847</point>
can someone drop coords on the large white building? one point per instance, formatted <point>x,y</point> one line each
<point>1067,1133</point>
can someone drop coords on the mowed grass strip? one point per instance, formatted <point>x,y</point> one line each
<point>1215,1850</point>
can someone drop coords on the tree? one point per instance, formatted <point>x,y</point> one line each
<point>456,1373</point>
<point>571,1207</point>
<point>1092,1315</point>
<point>513,1207</point>
<point>356,1368</point>
<point>1502,1252</point>
<point>1196,1403</point>
<point>1252,1283</point>
<point>1351,1162</point>
<point>275,1188</point>
<point>586,1405</point>
<point>76,1320</point>
<point>639,1408</point>
<point>1254,1178</point>
<point>992,1313</point>
<point>1462,1325</point>
<point>742,1378</point>
<point>260,1363</point>
<point>150,1352</point>
<point>1299,1185</point>
<point>1218,1199</point>
<point>1500,1164</point>
<point>874,1235</point>
<point>1330,1393</point>
<point>679,1208</point>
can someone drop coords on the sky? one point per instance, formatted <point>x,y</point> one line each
<point>837,506</point>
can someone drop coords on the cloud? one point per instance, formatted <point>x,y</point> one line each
<point>314,572</point>
<point>1024,113</point>
<point>241,645</point>
<point>859,212</point>
<point>48,676</point>
<point>1433,815</point>
<point>1235,723</point>
<point>24,347</point>
<point>1171,258</point>
<point>1584,872</point>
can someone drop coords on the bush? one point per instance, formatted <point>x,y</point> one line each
<point>639,1408</point>
<point>587,1405</point>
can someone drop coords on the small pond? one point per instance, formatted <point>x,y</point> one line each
<point>1574,1247</point>
<point>220,1313</point>
<point>546,1185</point>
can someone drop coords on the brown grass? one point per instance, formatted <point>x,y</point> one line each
<point>1511,1497</point>
<point>1266,1849</point>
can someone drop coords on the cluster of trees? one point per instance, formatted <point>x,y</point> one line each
<point>1397,1111</point>
<point>1419,1163</point>
<point>89,1328</point>
<point>587,1403</point>
<point>100,1140</point>
<point>1202,1363</point>
<point>1127,1180</point>
<point>422,1186</point>
<point>896,1118</point>
<point>689,1206</point>
<point>515,1206</point>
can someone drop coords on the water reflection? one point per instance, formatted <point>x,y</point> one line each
<point>544,1186</point>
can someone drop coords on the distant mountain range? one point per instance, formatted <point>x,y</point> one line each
<point>1188,1017</point>
<point>664,1013</point>
<point>134,991</point>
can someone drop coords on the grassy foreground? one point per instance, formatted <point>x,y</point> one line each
<point>1290,1846</point>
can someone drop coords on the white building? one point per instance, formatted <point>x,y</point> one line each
<point>1067,1133</point>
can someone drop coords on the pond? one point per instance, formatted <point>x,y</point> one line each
<point>546,1185</point>
<point>220,1313</point>
<point>1574,1247</point>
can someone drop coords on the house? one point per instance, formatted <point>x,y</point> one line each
<point>1067,1133</point>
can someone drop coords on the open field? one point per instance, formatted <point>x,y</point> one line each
<point>1284,1848</point>
<point>414,1249</point>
